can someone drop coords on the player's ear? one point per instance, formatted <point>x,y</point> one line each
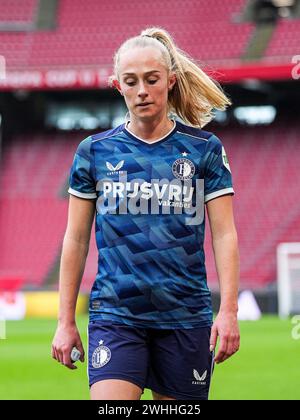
<point>172,81</point>
<point>116,85</point>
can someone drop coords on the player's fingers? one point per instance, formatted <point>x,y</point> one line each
<point>55,354</point>
<point>213,338</point>
<point>230,349</point>
<point>67,360</point>
<point>222,349</point>
<point>79,346</point>
<point>59,356</point>
<point>236,343</point>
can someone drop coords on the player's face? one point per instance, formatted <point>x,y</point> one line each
<point>145,82</point>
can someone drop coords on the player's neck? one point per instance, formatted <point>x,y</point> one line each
<point>150,130</point>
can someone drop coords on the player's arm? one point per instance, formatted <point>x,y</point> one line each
<point>225,247</point>
<point>74,252</point>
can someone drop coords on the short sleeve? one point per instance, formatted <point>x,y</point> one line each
<point>217,178</point>
<point>81,180</point>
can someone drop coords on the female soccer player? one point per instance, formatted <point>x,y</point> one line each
<point>147,183</point>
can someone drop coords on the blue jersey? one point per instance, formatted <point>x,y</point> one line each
<point>150,220</point>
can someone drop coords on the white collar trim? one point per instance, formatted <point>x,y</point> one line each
<point>154,141</point>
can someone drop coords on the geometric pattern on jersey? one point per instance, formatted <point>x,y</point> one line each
<point>151,265</point>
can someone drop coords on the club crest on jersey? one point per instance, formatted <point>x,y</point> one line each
<point>183,169</point>
<point>101,356</point>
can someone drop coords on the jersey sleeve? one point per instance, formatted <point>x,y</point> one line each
<point>217,178</point>
<point>81,179</point>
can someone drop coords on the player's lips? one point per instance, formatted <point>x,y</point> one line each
<point>145,104</point>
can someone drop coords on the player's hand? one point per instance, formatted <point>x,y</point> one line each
<point>66,337</point>
<point>226,328</point>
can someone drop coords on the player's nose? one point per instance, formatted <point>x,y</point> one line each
<point>142,92</point>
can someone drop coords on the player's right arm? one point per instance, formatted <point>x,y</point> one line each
<point>73,258</point>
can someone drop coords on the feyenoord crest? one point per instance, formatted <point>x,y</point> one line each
<point>101,356</point>
<point>183,168</point>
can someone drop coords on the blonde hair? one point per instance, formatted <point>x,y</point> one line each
<point>195,94</point>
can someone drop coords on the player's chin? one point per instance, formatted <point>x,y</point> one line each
<point>145,115</point>
<point>145,110</point>
<point>150,113</point>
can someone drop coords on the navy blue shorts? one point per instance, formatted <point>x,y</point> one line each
<point>176,363</point>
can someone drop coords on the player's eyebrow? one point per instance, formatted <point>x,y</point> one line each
<point>146,73</point>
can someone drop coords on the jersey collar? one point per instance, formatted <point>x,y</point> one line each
<point>154,142</point>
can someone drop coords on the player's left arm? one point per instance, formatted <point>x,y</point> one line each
<point>226,253</point>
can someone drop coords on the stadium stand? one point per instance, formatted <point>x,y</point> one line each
<point>33,212</point>
<point>74,43</point>
<point>266,183</point>
<point>285,39</point>
<point>221,35</point>
<point>17,11</point>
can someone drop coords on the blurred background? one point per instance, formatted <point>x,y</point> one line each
<point>55,59</point>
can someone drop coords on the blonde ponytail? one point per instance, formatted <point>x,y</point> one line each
<point>195,95</point>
